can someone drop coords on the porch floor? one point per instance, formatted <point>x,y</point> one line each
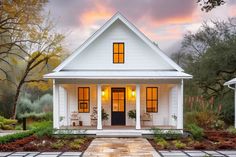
<point>118,127</point>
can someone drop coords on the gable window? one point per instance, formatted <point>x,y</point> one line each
<point>151,99</point>
<point>118,53</point>
<point>83,99</point>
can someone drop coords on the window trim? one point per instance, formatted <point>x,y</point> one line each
<point>78,99</point>
<point>152,100</point>
<point>118,52</point>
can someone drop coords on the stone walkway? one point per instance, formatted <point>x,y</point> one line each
<point>118,147</point>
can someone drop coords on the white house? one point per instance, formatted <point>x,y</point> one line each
<point>118,69</point>
<point>232,84</point>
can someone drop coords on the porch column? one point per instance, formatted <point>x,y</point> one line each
<point>138,126</point>
<point>180,105</point>
<point>55,105</point>
<point>99,109</point>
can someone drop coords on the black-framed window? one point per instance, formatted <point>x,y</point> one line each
<point>83,99</point>
<point>151,99</point>
<point>118,53</point>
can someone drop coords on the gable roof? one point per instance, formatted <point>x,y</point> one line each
<point>230,82</point>
<point>114,18</point>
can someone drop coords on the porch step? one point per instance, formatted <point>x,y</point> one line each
<point>118,133</point>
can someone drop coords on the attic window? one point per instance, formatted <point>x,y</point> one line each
<point>118,53</point>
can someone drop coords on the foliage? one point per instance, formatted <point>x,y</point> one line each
<point>161,134</point>
<point>208,5</point>
<point>43,128</point>
<point>104,115</point>
<point>202,112</point>
<point>218,125</point>
<point>13,137</point>
<point>196,131</point>
<point>132,114</point>
<point>232,130</point>
<point>30,43</point>
<point>76,144</point>
<point>37,116</point>
<point>58,144</point>
<point>7,124</point>
<point>161,142</point>
<point>179,145</point>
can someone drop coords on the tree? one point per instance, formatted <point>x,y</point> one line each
<point>30,41</point>
<point>213,54</point>
<point>208,5</point>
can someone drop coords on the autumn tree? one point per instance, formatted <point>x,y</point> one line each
<point>29,46</point>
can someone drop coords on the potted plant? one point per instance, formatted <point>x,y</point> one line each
<point>132,114</point>
<point>104,115</point>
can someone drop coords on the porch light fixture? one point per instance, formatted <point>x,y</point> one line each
<point>133,93</point>
<point>103,93</point>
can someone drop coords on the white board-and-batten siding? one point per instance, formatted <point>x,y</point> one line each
<point>99,54</point>
<point>166,95</point>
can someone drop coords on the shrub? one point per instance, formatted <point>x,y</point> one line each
<point>57,145</point>
<point>36,116</point>
<point>43,129</point>
<point>76,144</point>
<point>170,134</point>
<point>204,119</point>
<point>196,131</point>
<point>7,124</point>
<point>218,125</point>
<point>178,144</point>
<point>16,136</point>
<point>161,143</point>
<point>231,130</point>
<point>132,114</point>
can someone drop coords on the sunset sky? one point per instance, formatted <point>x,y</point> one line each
<point>163,21</point>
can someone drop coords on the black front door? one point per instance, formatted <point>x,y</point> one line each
<point>118,106</point>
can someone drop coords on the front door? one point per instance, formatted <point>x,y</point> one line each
<point>118,106</point>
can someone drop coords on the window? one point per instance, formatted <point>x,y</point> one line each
<point>118,53</point>
<point>151,99</point>
<point>83,99</point>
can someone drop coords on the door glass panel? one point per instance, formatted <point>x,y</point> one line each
<point>115,105</point>
<point>121,95</point>
<point>115,95</point>
<point>121,106</point>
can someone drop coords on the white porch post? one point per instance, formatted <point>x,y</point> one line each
<point>180,105</point>
<point>138,126</point>
<point>99,109</point>
<point>55,105</point>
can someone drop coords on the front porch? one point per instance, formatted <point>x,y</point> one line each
<point>102,98</point>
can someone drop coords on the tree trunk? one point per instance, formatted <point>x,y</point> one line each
<point>16,99</point>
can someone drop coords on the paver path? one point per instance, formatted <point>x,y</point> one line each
<point>118,147</point>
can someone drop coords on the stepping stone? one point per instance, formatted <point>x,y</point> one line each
<point>72,153</point>
<point>4,153</point>
<point>51,153</point>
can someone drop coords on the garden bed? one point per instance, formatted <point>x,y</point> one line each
<point>33,143</point>
<point>212,140</point>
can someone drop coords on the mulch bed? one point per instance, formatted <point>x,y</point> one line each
<point>212,140</point>
<point>32,143</point>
